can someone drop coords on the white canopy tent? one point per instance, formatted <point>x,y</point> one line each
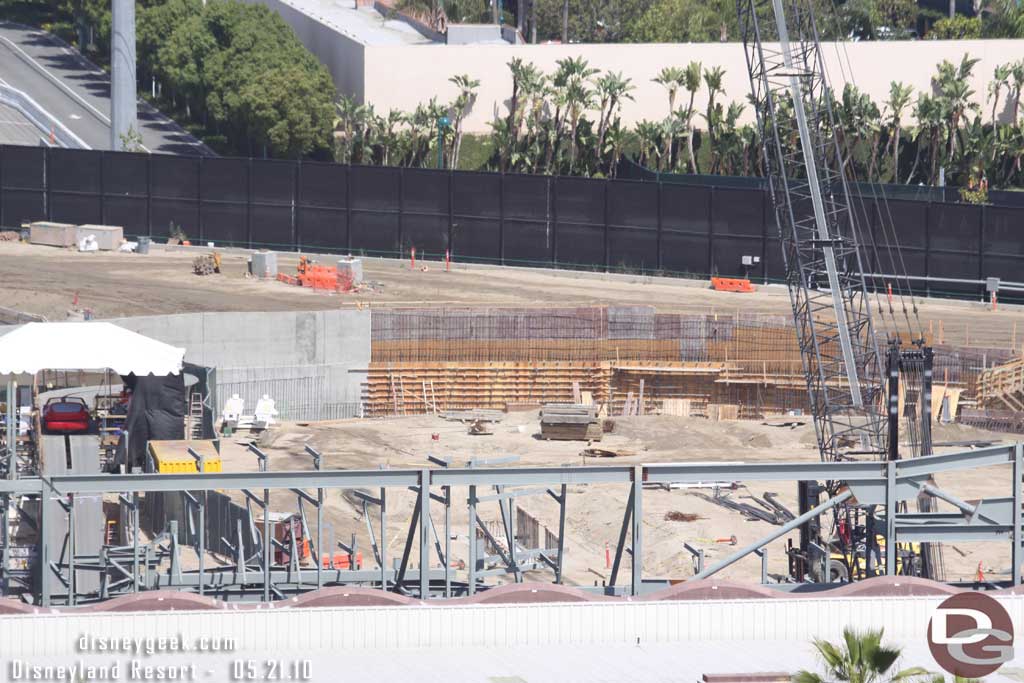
<point>94,346</point>
<point>85,346</point>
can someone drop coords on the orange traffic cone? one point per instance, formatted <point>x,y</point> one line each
<point>53,136</point>
<point>980,576</point>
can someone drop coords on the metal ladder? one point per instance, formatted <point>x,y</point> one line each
<point>195,416</point>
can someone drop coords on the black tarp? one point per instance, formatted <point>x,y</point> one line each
<point>156,411</point>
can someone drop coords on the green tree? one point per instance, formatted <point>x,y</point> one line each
<point>671,78</point>
<point>860,658</point>
<point>612,88</point>
<point>687,21</point>
<point>899,99</point>
<point>460,107</point>
<point>953,85</point>
<point>590,21</point>
<point>713,116</point>
<point>1000,80</point>
<point>957,28</point>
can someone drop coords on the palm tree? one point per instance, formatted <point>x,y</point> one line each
<point>463,103</point>
<point>575,95</point>
<point>930,114</point>
<point>713,80</point>
<point>648,133</point>
<point>671,78</point>
<point>691,81</point>
<point>1017,73</point>
<point>899,98</point>
<point>861,658</point>
<point>1000,79</point>
<point>525,79</point>
<point>953,84</point>
<point>612,88</point>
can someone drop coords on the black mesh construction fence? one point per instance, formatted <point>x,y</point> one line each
<point>697,228</point>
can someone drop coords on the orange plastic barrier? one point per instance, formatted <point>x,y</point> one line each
<point>729,284</point>
<point>341,561</point>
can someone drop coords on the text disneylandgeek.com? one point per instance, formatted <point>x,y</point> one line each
<point>130,660</point>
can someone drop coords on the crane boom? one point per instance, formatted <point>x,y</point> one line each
<point>817,227</point>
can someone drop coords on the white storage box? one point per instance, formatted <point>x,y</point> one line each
<point>108,237</point>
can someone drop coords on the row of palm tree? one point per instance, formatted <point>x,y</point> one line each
<point>569,122</point>
<point>362,136</point>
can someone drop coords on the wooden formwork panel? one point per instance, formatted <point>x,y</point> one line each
<point>523,350</point>
<point>415,388</point>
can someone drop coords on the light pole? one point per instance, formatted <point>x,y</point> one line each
<point>442,124</point>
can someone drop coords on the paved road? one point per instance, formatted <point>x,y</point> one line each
<point>77,92</point>
<point>15,129</point>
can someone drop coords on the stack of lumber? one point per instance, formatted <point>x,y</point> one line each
<point>570,422</point>
<point>1003,386</point>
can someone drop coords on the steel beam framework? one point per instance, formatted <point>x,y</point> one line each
<point>256,575</point>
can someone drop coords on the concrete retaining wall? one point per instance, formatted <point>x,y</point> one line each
<point>331,346</point>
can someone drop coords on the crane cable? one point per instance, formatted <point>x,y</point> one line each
<point>904,288</point>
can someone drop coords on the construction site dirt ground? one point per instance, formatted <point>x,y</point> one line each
<point>46,281</point>
<point>594,513</point>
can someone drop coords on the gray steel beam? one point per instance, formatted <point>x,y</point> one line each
<point>862,472</point>
<point>101,483</point>
<point>890,518</point>
<point>824,232</point>
<point>778,533</point>
<point>1018,472</point>
<point>425,522</point>
<point>948,462</point>
<point>947,533</point>
<point>637,557</point>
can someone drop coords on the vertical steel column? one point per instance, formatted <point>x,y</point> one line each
<point>424,534</point>
<point>135,540</point>
<point>1018,472</point>
<point>72,584</point>
<point>471,537</point>
<point>266,545</point>
<point>383,539</point>
<point>201,504</point>
<point>893,368</point>
<point>925,402</point>
<point>12,431</point>
<point>637,533</point>
<point>5,500</point>
<point>561,533</point>
<point>319,539</point>
<point>447,541</point>
<point>890,518</point>
<point>45,522</point>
